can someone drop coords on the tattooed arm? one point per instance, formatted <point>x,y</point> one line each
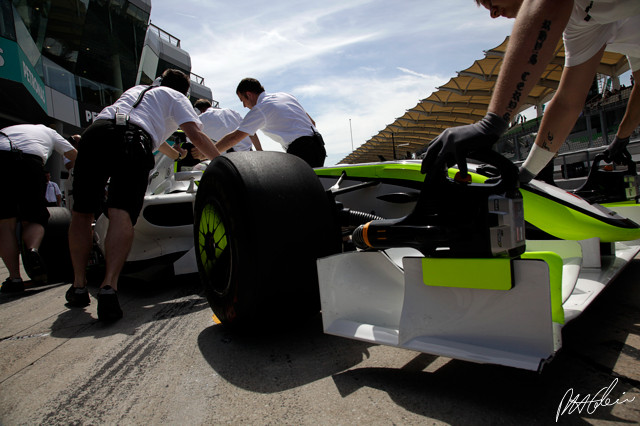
<point>534,38</point>
<point>567,103</point>
<point>537,30</point>
<point>560,116</point>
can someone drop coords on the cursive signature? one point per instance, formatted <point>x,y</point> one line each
<point>571,403</point>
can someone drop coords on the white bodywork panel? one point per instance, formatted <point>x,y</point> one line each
<point>154,241</point>
<point>380,297</point>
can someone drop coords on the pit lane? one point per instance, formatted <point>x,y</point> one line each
<point>167,362</point>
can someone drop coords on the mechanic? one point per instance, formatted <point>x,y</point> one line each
<point>24,149</point>
<point>119,145</point>
<point>53,195</point>
<point>218,122</point>
<point>588,29</point>
<point>281,117</point>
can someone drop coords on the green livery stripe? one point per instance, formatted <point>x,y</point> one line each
<point>404,171</point>
<point>554,262</point>
<point>569,224</point>
<point>486,274</point>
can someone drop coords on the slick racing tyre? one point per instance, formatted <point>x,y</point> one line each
<point>261,221</point>
<point>54,248</point>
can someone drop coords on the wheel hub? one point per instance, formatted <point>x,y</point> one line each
<point>212,236</point>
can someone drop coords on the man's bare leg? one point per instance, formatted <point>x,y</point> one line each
<point>117,245</point>
<point>32,235</point>
<point>9,250</point>
<point>80,242</point>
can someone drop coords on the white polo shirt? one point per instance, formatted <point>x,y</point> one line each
<point>218,122</point>
<point>593,24</point>
<point>160,113</point>
<point>280,116</point>
<point>52,192</point>
<point>35,139</point>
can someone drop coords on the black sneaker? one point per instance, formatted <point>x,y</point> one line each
<point>34,265</point>
<point>12,285</point>
<point>78,297</point>
<point>108,306</point>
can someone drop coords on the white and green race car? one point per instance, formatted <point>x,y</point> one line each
<point>478,269</point>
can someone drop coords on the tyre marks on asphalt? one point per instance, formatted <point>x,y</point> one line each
<point>113,387</point>
<point>30,336</point>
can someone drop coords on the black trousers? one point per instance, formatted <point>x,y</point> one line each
<point>24,188</point>
<point>310,149</point>
<point>122,155</point>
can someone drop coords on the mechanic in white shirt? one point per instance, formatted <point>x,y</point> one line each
<point>217,122</point>
<point>24,149</point>
<point>281,117</point>
<point>119,146</point>
<point>53,195</point>
<point>589,27</point>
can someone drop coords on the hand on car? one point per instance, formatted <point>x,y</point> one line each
<point>197,154</point>
<point>617,152</point>
<point>183,152</point>
<point>454,144</point>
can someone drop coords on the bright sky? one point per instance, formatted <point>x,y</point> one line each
<point>354,65</point>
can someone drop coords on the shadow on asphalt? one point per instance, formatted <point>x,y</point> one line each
<point>31,289</point>
<point>279,358</point>
<point>434,387</point>
<point>143,302</point>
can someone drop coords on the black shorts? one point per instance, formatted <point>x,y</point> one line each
<point>310,149</point>
<point>122,157</point>
<point>25,186</point>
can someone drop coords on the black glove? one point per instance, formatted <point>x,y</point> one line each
<point>452,146</point>
<point>617,152</point>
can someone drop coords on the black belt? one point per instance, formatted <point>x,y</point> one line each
<point>19,155</point>
<point>134,127</point>
<point>315,137</point>
<point>130,126</point>
<point>33,157</point>
<point>318,137</point>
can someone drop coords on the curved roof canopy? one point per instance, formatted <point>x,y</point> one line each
<point>463,100</point>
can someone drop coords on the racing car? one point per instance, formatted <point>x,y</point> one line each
<point>475,269</point>
<point>163,235</point>
<point>163,238</point>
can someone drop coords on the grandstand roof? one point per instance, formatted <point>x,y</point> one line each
<point>463,100</point>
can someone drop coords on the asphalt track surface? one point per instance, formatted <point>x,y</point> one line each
<point>167,362</point>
